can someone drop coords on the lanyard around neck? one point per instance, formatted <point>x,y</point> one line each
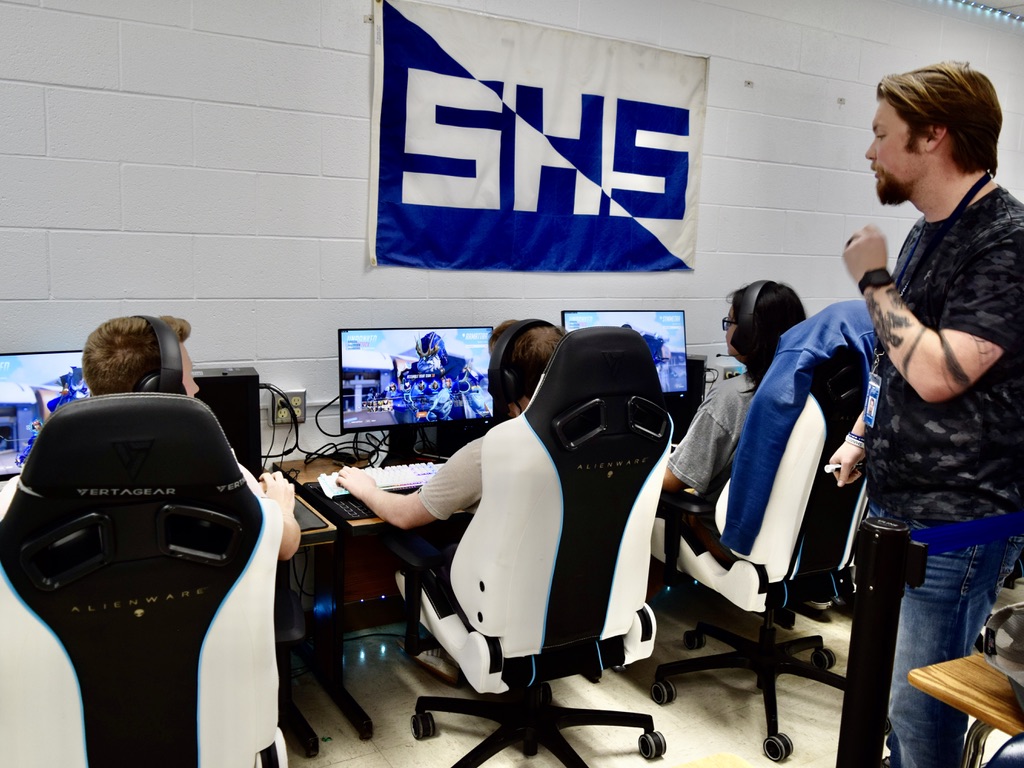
<point>947,225</point>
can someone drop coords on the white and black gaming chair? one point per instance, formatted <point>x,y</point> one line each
<point>550,576</point>
<point>802,552</point>
<point>137,598</point>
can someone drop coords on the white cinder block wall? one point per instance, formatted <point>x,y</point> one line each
<point>208,158</point>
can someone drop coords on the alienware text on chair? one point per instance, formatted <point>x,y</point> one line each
<point>136,604</point>
<point>803,550</point>
<point>550,575</point>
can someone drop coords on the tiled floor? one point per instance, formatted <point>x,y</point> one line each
<point>714,712</point>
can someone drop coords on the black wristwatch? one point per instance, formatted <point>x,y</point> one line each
<point>874,277</point>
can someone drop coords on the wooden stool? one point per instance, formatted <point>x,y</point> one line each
<point>971,685</point>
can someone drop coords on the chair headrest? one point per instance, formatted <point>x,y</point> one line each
<point>591,369</point>
<point>129,444</point>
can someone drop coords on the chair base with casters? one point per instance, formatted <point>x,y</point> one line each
<point>766,658</point>
<point>533,720</point>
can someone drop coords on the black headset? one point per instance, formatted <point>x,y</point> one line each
<point>743,336</point>
<point>505,381</point>
<point>168,377</point>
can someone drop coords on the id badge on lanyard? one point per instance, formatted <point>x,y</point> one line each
<point>871,401</point>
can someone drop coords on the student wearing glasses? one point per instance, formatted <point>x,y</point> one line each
<point>759,314</point>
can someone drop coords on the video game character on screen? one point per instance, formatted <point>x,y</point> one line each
<point>401,376</point>
<point>32,386</point>
<point>663,331</point>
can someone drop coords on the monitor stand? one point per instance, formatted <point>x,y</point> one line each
<point>433,442</point>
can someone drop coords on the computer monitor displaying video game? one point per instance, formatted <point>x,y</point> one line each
<point>399,379</point>
<point>32,386</point>
<point>663,330</point>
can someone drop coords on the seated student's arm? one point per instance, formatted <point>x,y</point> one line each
<point>401,510</point>
<point>671,483</point>
<point>276,487</point>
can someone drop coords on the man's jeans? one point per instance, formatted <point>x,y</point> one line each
<point>939,621</point>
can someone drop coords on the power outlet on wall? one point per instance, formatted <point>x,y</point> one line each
<point>729,371</point>
<point>280,412</point>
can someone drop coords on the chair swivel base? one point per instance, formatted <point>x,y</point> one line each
<point>532,720</point>
<point>766,658</point>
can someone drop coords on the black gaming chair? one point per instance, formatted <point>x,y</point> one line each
<point>137,598</point>
<point>550,576</point>
<point>803,551</point>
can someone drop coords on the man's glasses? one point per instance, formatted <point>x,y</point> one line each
<point>726,322</point>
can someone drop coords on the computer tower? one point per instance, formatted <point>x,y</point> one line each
<point>683,406</point>
<point>233,395</point>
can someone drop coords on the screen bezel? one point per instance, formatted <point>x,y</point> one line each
<point>667,389</point>
<point>9,470</point>
<point>407,428</point>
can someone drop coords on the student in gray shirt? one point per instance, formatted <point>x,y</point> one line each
<point>758,315</point>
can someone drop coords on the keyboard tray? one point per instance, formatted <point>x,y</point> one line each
<point>346,506</point>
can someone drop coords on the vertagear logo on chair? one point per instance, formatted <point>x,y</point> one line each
<point>133,455</point>
<point>614,362</point>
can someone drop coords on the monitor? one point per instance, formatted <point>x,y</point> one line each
<point>664,330</point>
<point>32,386</point>
<point>401,379</point>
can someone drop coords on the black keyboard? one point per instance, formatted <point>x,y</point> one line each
<point>347,506</point>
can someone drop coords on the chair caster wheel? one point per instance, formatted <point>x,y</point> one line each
<point>692,640</point>
<point>423,725</point>
<point>823,658</point>
<point>777,747</point>
<point>663,692</point>
<point>652,745</point>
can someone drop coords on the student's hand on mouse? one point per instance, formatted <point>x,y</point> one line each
<point>277,487</point>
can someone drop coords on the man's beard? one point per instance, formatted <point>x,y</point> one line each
<point>890,190</point>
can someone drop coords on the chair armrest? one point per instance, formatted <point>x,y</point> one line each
<point>683,501</point>
<point>418,556</point>
<point>671,507</point>
<point>415,552</point>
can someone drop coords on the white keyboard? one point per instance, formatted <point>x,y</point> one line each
<point>399,477</point>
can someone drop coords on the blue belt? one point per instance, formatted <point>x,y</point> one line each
<point>946,538</point>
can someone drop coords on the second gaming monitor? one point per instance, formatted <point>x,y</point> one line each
<point>395,377</point>
<point>32,386</point>
<point>663,330</point>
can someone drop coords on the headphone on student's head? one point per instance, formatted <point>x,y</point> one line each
<point>743,336</point>
<point>168,377</point>
<point>505,381</point>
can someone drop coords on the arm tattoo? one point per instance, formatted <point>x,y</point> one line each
<point>910,352</point>
<point>956,371</point>
<point>889,324</point>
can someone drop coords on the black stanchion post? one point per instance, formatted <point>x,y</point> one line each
<point>886,561</point>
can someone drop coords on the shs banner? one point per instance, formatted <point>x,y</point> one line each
<point>498,145</point>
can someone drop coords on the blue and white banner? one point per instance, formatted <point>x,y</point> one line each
<point>509,146</point>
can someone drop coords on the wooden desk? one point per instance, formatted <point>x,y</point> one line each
<point>360,569</point>
<point>973,686</point>
<point>330,566</point>
<point>291,627</point>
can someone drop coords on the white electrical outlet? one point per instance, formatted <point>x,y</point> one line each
<point>280,411</point>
